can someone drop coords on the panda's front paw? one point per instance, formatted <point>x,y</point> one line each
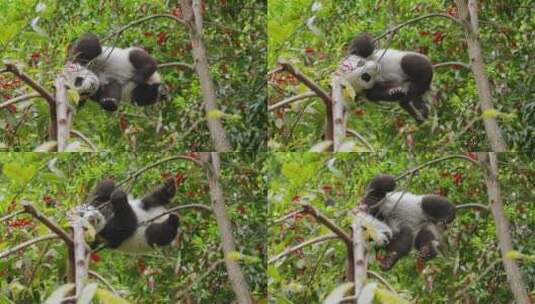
<point>384,237</point>
<point>169,187</point>
<point>109,104</point>
<point>396,93</point>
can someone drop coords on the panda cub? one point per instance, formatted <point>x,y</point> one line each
<point>120,226</point>
<point>110,74</point>
<point>391,75</point>
<point>414,220</point>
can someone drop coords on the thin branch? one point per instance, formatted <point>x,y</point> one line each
<point>19,99</point>
<point>453,63</point>
<point>275,71</point>
<point>397,27</point>
<point>84,139</point>
<point>181,65</point>
<point>21,246</point>
<point>138,21</point>
<point>101,278</point>
<point>309,209</point>
<point>316,89</point>
<point>206,272</point>
<point>29,208</point>
<point>192,206</point>
<point>360,138</point>
<point>291,250</point>
<point>434,161</point>
<point>140,171</point>
<point>291,99</point>
<point>476,206</point>
<point>382,280</point>
<point>7,217</point>
<point>287,216</point>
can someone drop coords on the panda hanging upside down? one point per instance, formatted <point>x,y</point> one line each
<point>388,75</point>
<point>123,226</point>
<point>110,74</point>
<point>406,219</point>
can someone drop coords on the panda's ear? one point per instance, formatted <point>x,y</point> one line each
<point>363,45</point>
<point>85,49</point>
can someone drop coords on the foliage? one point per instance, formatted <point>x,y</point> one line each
<point>470,272</point>
<point>60,181</point>
<point>313,35</point>
<point>235,43</point>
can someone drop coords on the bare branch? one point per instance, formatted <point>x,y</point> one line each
<point>453,63</point>
<point>136,22</point>
<point>434,161</point>
<point>101,278</point>
<point>192,206</point>
<point>309,209</point>
<point>291,99</point>
<point>29,208</point>
<point>181,65</point>
<point>382,280</point>
<point>21,246</point>
<point>62,116</point>
<point>287,216</point>
<point>361,139</point>
<point>316,89</point>
<point>275,71</point>
<point>84,139</point>
<point>397,27</point>
<point>338,107</point>
<point>19,99</point>
<point>360,256</point>
<point>7,217</point>
<point>80,256</point>
<point>291,250</point>
<point>476,206</point>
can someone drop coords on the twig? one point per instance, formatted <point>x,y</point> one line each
<point>287,216</point>
<point>84,139</point>
<point>181,65</point>
<point>138,21</point>
<point>397,27</point>
<point>291,250</point>
<point>290,100</point>
<point>383,280</point>
<point>476,206</point>
<point>140,171</point>
<point>309,209</point>
<point>18,99</point>
<point>275,71</point>
<point>7,217</point>
<point>360,138</point>
<point>316,89</point>
<point>206,272</point>
<point>29,208</point>
<point>193,206</point>
<point>21,246</point>
<point>434,161</point>
<point>454,63</point>
<point>101,278</point>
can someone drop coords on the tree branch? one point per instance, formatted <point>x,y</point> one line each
<point>29,208</point>
<point>291,99</point>
<point>21,246</point>
<point>360,138</point>
<point>476,206</point>
<point>287,216</point>
<point>453,63</point>
<point>138,21</point>
<point>101,278</point>
<point>309,209</point>
<point>18,99</point>
<point>192,206</point>
<point>84,139</point>
<point>291,250</point>
<point>7,217</point>
<point>181,65</point>
<point>434,161</point>
<point>62,114</point>
<point>413,20</point>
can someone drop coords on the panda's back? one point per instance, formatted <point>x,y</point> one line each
<point>114,63</point>
<point>407,211</point>
<point>137,243</point>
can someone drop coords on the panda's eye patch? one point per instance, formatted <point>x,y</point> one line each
<point>366,77</point>
<point>360,63</point>
<point>78,81</point>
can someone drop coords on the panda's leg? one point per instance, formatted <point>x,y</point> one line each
<point>160,196</point>
<point>438,208</point>
<point>144,65</point>
<point>102,191</point>
<point>414,109</point>
<point>161,234</point>
<point>399,246</point>
<point>145,94</point>
<point>420,72</point>
<point>383,92</point>
<point>110,95</point>
<point>123,223</point>
<point>425,243</point>
<point>377,189</point>
<point>85,49</point>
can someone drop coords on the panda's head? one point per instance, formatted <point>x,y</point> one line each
<point>91,215</point>
<point>359,72</point>
<point>81,79</point>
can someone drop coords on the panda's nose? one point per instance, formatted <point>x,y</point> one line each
<point>366,77</point>
<point>78,81</point>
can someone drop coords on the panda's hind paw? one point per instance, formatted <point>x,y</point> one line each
<point>109,104</point>
<point>396,93</point>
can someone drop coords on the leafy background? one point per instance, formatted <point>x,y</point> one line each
<point>56,183</point>
<point>314,36</point>
<point>234,35</point>
<point>334,183</point>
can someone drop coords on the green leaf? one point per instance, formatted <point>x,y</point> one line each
<point>107,297</point>
<point>19,174</point>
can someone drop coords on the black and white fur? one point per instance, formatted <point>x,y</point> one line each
<point>122,226</point>
<point>414,220</point>
<point>123,74</point>
<point>397,75</point>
